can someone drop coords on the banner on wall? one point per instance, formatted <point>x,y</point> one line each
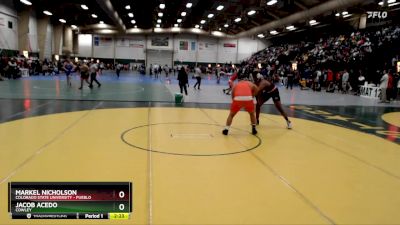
<point>229,45</point>
<point>160,41</point>
<point>136,44</point>
<point>102,41</point>
<point>193,46</point>
<point>183,45</point>
<point>122,42</point>
<point>206,46</point>
<point>130,42</point>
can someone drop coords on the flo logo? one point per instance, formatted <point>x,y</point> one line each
<point>377,14</point>
<point>28,215</point>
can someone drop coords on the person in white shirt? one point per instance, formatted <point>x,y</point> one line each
<point>93,73</point>
<point>345,81</point>
<point>197,75</point>
<point>101,68</point>
<point>166,70</point>
<point>118,68</point>
<point>360,82</point>
<point>384,83</point>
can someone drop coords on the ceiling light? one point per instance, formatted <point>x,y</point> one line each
<point>176,25</point>
<point>313,22</point>
<point>133,21</point>
<point>291,27</point>
<point>94,15</point>
<point>107,31</point>
<point>337,14</point>
<point>162,6</point>
<point>47,13</point>
<point>251,12</point>
<point>183,13</point>
<point>158,29</point>
<point>189,5</point>
<point>158,25</point>
<point>390,2</point>
<point>272,2</point>
<point>176,29</point>
<point>26,2</point>
<point>202,21</point>
<point>101,22</point>
<point>62,20</point>
<point>74,27</point>
<point>196,30</point>
<point>217,33</point>
<point>135,26</point>
<point>238,19</point>
<point>220,7</point>
<point>196,26</point>
<point>130,15</point>
<point>210,15</point>
<point>160,14</point>
<point>273,32</point>
<point>128,7</point>
<point>393,4</point>
<point>226,25</point>
<point>84,7</point>
<point>261,36</point>
<point>345,13</point>
<point>159,21</point>
<point>179,20</point>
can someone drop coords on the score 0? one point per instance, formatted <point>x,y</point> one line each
<point>121,195</point>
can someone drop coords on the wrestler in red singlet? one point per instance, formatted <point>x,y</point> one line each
<point>242,97</point>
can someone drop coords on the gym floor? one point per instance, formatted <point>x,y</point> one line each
<point>338,165</point>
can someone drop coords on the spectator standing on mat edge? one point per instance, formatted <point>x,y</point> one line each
<point>183,80</point>
<point>93,73</point>
<point>118,69</point>
<point>384,83</point>
<point>197,75</point>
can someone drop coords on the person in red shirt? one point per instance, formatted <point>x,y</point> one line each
<point>390,86</point>
<point>230,83</point>
<point>242,97</point>
<point>329,79</point>
<point>338,80</point>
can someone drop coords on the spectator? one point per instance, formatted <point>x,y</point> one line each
<point>183,80</point>
<point>345,81</point>
<point>197,75</point>
<point>360,82</point>
<point>118,68</point>
<point>384,84</point>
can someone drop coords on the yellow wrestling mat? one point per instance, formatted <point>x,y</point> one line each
<point>392,118</point>
<point>184,171</point>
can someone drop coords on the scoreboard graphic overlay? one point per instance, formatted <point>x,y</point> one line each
<point>70,200</point>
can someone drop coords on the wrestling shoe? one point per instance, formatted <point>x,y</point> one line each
<point>289,124</point>
<point>225,132</point>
